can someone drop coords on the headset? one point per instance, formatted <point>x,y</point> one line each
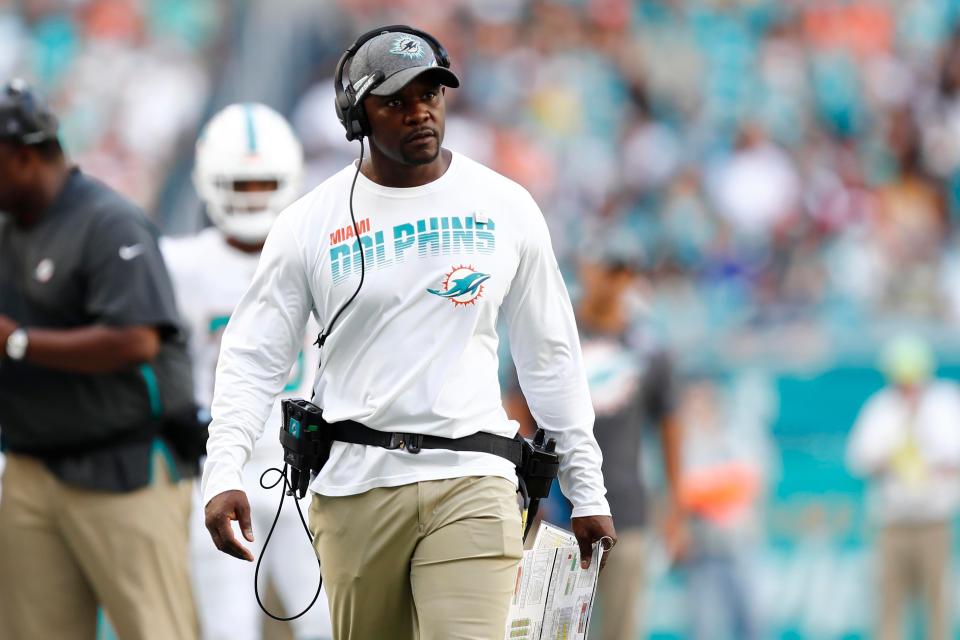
<point>348,101</point>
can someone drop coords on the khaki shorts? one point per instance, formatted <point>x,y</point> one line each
<point>434,560</point>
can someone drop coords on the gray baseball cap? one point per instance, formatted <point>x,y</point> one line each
<point>401,57</point>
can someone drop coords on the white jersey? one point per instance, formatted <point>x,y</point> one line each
<point>210,277</point>
<point>417,350</point>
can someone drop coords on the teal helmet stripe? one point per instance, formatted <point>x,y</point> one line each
<point>251,130</point>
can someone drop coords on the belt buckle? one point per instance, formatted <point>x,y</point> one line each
<point>397,441</point>
<point>410,441</point>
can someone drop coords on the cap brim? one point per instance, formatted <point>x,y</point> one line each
<point>402,78</point>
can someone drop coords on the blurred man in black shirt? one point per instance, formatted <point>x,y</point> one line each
<point>632,387</point>
<point>91,367</point>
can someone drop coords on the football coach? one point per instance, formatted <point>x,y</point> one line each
<point>407,259</point>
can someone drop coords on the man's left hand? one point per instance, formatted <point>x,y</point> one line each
<point>588,530</point>
<point>7,326</point>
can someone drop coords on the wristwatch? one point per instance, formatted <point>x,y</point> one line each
<point>17,344</point>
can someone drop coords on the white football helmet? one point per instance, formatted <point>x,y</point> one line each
<point>247,142</point>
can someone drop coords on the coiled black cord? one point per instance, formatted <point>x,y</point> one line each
<point>288,488</point>
<point>276,518</point>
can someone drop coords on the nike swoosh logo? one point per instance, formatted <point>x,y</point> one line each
<point>131,252</point>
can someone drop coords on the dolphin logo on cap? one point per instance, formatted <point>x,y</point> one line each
<point>408,47</point>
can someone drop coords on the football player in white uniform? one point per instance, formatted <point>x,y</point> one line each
<point>248,167</point>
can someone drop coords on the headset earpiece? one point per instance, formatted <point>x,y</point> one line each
<point>352,117</point>
<point>343,101</point>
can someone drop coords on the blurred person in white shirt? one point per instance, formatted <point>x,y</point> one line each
<point>906,442</point>
<point>248,168</point>
<point>756,188</point>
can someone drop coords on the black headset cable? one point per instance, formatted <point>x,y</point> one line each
<point>321,339</point>
<point>276,518</point>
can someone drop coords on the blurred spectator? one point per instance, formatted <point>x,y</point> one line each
<point>906,442</point>
<point>756,188</point>
<point>632,387</point>
<point>910,225</point>
<point>719,488</point>
<point>941,111</point>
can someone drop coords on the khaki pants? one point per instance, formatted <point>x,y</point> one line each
<point>915,564</point>
<point>619,589</point>
<point>433,560</point>
<point>64,550</point>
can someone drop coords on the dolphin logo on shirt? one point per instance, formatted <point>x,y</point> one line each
<point>463,285</point>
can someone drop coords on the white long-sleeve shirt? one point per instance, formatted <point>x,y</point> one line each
<point>417,350</point>
<point>912,456</point>
<point>210,277</point>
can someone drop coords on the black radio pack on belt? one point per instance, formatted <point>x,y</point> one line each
<point>306,438</point>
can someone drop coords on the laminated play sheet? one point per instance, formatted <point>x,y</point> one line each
<point>553,596</point>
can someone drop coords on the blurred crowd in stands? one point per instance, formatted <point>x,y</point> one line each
<point>767,163</point>
<point>129,78</point>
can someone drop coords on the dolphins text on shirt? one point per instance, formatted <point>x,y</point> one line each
<point>428,237</point>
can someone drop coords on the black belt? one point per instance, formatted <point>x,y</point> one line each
<point>307,438</point>
<point>355,433</point>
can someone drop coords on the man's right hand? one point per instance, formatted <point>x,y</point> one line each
<point>222,509</point>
